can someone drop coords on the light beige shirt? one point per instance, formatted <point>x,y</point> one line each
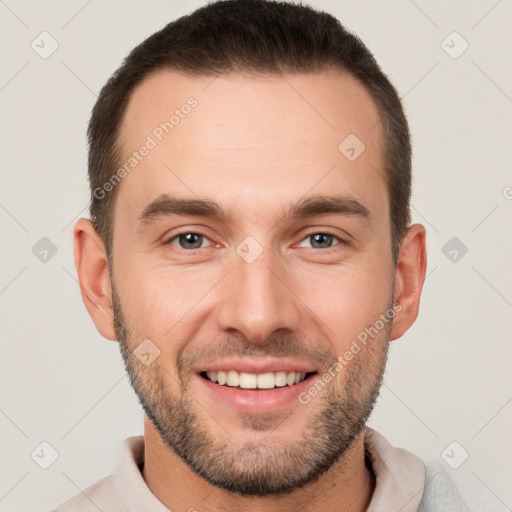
<point>403,483</point>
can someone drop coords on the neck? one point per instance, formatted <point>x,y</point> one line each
<point>347,486</point>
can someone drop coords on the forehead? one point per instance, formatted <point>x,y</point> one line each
<point>251,140</point>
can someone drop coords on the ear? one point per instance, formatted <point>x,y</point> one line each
<point>409,277</point>
<point>92,268</point>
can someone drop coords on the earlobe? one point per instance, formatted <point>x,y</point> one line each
<point>93,275</point>
<point>409,278</point>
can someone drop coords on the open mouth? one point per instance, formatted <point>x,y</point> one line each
<point>253,381</point>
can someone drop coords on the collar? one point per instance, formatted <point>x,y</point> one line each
<point>400,475</point>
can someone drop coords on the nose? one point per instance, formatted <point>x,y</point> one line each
<point>258,299</point>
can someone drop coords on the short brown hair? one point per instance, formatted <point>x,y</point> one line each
<point>256,36</point>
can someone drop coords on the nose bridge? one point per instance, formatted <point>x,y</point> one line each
<point>257,300</point>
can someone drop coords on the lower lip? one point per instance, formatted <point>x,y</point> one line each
<point>253,401</point>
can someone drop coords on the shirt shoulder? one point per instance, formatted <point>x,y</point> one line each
<point>440,492</point>
<point>123,491</point>
<point>99,496</point>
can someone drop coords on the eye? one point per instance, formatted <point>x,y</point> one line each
<point>321,240</point>
<point>188,240</point>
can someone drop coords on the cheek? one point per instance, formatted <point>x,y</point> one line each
<point>352,299</point>
<point>163,303</point>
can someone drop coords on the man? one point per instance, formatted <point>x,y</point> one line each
<point>264,135</point>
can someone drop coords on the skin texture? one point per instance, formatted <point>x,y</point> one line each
<point>256,146</point>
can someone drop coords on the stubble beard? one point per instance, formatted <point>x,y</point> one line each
<point>258,468</point>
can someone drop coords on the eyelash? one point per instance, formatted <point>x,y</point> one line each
<point>326,250</point>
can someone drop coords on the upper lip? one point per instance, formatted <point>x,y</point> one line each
<point>257,366</point>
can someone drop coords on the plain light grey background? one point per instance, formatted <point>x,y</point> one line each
<point>448,379</point>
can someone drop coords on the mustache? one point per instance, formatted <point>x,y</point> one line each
<point>277,346</point>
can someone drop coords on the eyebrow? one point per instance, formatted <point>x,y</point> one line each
<point>165,206</point>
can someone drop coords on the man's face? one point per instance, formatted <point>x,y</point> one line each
<point>258,288</point>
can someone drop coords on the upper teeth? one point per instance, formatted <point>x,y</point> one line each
<point>255,381</point>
